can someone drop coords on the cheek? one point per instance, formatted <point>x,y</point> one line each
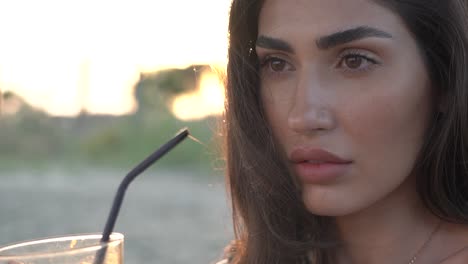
<point>387,130</point>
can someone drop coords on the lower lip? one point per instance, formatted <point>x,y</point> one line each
<point>320,173</point>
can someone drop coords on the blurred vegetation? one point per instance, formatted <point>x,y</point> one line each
<point>31,139</point>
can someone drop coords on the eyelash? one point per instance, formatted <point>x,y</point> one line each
<point>358,54</point>
<point>265,62</point>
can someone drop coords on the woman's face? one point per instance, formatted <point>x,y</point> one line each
<point>347,95</point>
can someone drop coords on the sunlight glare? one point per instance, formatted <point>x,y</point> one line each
<point>206,101</point>
<point>68,56</point>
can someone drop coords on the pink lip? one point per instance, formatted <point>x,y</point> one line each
<point>330,166</point>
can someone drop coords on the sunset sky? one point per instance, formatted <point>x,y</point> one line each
<point>62,54</point>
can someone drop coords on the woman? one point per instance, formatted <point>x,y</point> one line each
<point>346,131</point>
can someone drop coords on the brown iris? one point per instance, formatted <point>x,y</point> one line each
<point>277,65</point>
<point>353,62</point>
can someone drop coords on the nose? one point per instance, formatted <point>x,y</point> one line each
<point>312,109</point>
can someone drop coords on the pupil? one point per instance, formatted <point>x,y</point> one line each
<point>277,65</point>
<point>353,62</point>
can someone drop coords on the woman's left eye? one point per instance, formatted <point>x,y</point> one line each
<point>354,62</point>
<point>275,64</point>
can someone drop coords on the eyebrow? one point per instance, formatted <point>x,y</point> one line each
<point>325,42</point>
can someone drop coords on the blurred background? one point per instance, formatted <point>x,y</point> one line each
<point>88,89</point>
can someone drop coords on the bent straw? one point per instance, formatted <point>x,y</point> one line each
<point>112,218</point>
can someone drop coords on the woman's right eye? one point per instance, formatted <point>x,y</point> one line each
<point>276,65</point>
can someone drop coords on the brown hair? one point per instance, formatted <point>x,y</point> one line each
<point>271,223</point>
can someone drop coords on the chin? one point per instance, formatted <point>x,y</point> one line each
<point>328,210</point>
<point>323,202</point>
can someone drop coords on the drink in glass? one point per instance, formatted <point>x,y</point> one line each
<point>74,249</point>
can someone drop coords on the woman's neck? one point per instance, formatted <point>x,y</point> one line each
<point>390,231</point>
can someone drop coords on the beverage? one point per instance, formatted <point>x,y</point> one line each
<point>75,249</point>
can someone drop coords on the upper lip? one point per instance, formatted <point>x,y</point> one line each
<point>303,154</point>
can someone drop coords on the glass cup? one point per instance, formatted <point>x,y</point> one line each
<point>74,249</point>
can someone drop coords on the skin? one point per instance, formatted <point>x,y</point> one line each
<point>372,108</point>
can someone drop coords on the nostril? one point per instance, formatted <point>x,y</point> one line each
<point>312,119</point>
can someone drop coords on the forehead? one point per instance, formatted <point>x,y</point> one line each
<point>283,18</point>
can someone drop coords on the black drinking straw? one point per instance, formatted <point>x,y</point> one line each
<point>112,218</point>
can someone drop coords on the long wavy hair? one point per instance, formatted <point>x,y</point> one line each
<point>271,223</point>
